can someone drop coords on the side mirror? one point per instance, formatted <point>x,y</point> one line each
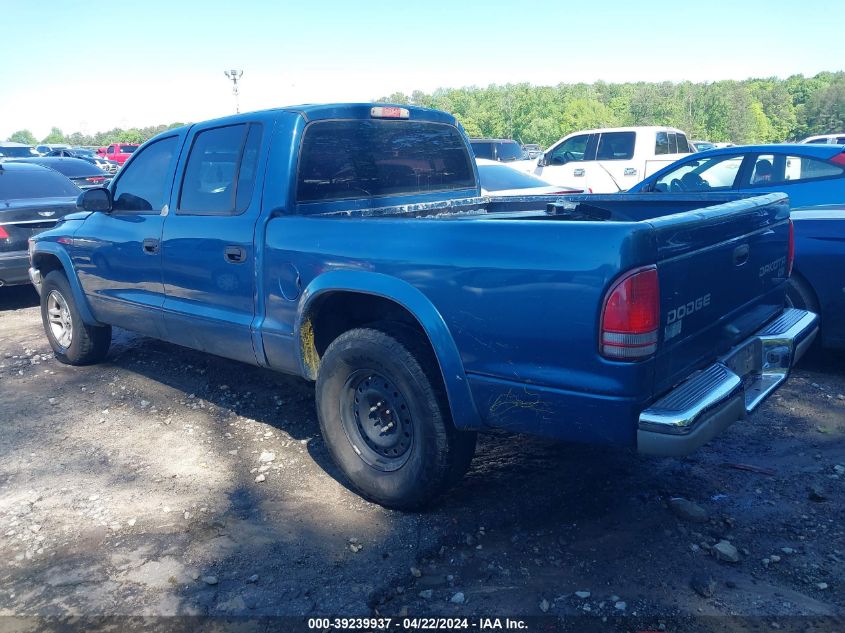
<point>96,199</point>
<point>542,162</point>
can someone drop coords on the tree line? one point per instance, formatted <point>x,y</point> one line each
<point>99,139</point>
<point>751,111</point>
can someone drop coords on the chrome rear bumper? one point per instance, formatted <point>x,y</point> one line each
<point>708,402</point>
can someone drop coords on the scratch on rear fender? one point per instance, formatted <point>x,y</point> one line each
<point>310,357</point>
<point>506,403</point>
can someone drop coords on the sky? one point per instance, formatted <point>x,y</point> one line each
<point>89,67</point>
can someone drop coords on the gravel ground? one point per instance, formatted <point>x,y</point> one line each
<point>166,481</point>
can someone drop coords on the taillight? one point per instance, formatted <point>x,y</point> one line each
<point>630,317</point>
<point>790,252</point>
<point>839,159</point>
<point>96,179</point>
<point>3,233</point>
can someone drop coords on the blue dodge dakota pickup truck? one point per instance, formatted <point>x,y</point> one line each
<point>349,244</point>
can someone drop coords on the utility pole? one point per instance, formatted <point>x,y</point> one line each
<point>234,76</point>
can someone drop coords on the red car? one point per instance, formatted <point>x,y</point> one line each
<point>118,152</point>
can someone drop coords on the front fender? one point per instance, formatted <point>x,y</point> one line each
<point>464,413</point>
<point>55,250</point>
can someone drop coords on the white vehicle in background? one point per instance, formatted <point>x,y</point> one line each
<point>826,139</point>
<point>611,159</point>
<point>498,179</point>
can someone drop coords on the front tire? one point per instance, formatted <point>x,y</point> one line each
<point>385,418</point>
<point>74,342</point>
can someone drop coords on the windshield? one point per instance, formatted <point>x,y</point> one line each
<point>500,177</point>
<point>34,183</point>
<point>17,152</point>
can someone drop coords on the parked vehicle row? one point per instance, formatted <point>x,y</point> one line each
<point>356,250</point>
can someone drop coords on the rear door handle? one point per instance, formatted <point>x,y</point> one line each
<point>151,246</point>
<point>235,254</point>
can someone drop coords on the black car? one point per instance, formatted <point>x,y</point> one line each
<point>32,199</point>
<point>82,173</point>
<point>504,150</point>
<point>89,155</point>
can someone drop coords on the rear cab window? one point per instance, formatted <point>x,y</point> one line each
<point>354,159</point>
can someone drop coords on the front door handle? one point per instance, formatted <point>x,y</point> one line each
<point>235,254</point>
<point>151,246</point>
<point>578,173</point>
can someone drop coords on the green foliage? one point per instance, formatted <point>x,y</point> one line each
<point>23,136</point>
<point>55,136</point>
<point>766,110</point>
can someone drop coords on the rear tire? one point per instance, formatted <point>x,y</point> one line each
<point>385,417</point>
<point>74,342</point>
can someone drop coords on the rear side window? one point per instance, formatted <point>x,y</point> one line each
<point>661,144</point>
<point>144,184</point>
<point>616,146</point>
<point>128,149</point>
<point>775,169</point>
<point>840,140</point>
<point>342,160</point>
<point>683,145</point>
<point>34,183</point>
<point>220,173</point>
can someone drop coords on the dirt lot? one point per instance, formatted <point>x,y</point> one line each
<point>132,487</point>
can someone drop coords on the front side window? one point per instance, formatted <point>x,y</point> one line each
<point>717,173</point>
<point>572,149</point>
<point>144,184</point>
<point>110,150</point>
<point>220,173</point>
<point>349,159</point>
<point>616,146</point>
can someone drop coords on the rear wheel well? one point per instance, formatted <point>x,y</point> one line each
<point>334,313</point>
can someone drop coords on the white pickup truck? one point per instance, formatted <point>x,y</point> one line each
<point>611,159</point>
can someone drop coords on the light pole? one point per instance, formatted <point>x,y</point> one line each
<point>234,76</point>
